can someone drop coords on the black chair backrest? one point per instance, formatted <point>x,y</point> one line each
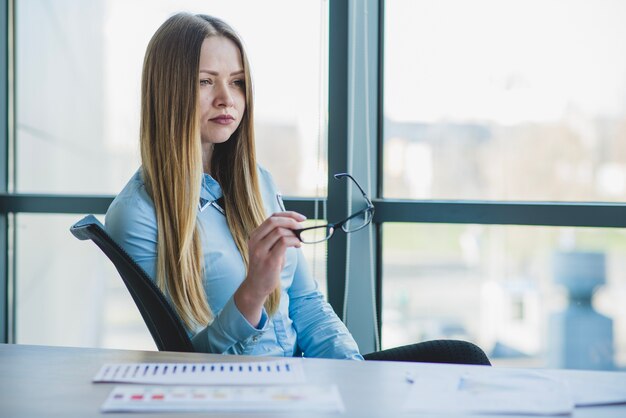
<point>163,322</point>
<point>435,351</point>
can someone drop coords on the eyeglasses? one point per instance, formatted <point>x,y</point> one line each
<point>352,223</point>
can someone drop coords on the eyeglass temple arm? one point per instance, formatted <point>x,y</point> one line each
<point>340,175</point>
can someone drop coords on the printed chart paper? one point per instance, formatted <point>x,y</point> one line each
<point>132,398</point>
<point>277,372</point>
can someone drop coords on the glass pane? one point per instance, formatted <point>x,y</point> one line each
<point>78,76</point>
<point>514,100</point>
<point>315,255</point>
<point>529,296</point>
<point>68,292</point>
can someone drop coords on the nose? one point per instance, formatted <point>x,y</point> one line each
<point>223,96</point>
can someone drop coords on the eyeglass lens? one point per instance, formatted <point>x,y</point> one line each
<point>358,221</point>
<point>316,231</point>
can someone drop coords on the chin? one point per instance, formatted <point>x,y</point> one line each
<point>215,139</point>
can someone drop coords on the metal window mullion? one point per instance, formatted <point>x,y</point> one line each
<point>565,214</point>
<point>4,174</point>
<point>353,110</point>
<point>338,38</point>
<point>379,152</point>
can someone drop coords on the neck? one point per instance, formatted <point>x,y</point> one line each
<point>207,153</point>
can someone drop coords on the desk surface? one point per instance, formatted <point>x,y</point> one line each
<point>40,381</point>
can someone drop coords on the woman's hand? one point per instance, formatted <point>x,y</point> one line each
<point>266,254</point>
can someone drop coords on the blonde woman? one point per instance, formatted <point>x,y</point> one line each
<point>202,218</point>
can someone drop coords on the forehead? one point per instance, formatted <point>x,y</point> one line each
<point>220,53</point>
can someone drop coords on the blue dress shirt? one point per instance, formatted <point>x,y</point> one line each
<point>304,323</point>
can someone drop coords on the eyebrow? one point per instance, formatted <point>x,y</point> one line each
<point>216,73</point>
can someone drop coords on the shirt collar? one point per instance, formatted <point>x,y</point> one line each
<point>211,189</point>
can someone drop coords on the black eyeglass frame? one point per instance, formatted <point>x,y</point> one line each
<point>332,227</point>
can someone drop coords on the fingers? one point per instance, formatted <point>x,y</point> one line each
<point>275,241</point>
<point>283,242</point>
<point>291,214</point>
<point>274,236</point>
<point>288,220</point>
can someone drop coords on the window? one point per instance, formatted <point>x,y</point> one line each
<point>506,101</point>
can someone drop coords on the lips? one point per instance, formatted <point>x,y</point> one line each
<point>223,119</point>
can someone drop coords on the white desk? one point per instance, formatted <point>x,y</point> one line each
<point>39,381</point>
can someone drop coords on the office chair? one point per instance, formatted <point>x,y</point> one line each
<point>163,322</point>
<point>434,351</point>
<point>169,333</point>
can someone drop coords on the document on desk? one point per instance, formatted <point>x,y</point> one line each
<point>272,372</point>
<point>310,398</point>
<point>490,391</point>
<point>608,387</point>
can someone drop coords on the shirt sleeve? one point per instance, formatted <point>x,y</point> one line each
<point>320,332</point>
<point>131,222</point>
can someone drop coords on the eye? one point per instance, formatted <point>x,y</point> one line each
<point>206,82</point>
<point>239,83</point>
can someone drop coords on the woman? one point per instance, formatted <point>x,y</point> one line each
<point>203,219</point>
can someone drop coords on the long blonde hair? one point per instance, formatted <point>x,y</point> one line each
<point>171,156</point>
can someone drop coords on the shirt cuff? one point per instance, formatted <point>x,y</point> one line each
<point>237,324</point>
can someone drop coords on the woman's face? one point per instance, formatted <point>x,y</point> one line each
<point>222,90</point>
